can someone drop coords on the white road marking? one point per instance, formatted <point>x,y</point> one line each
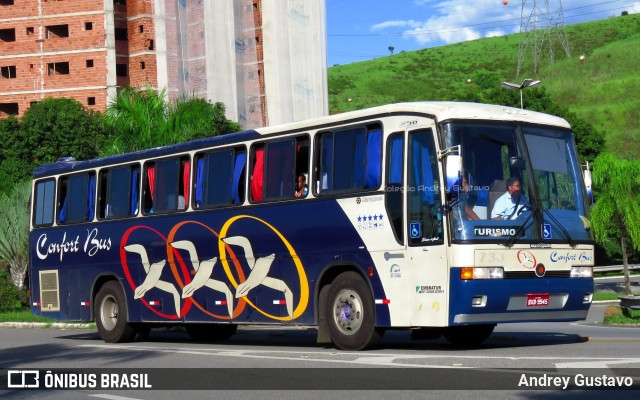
<point>382,359</point>
<point>111,397</point>
<point>597,364</point>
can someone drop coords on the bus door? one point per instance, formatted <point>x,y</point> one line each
<point>426,261</point>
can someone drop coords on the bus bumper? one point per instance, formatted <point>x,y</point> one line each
<point>494,301</point>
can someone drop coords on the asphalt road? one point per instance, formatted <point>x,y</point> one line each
<point>286,357</point>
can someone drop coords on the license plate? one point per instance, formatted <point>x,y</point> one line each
<point>538,300</point>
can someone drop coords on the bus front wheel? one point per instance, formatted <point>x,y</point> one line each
<point>467,335</point>
<point>350,313</point>
<point>110,309</point>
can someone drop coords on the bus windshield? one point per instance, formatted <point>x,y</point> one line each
<point>511,170</point>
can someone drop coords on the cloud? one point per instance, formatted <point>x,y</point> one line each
<point>496,33</point>
<point>395,24</point>
<point>455,21</point>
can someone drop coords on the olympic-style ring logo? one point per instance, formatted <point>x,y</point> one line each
<point>186,284</point>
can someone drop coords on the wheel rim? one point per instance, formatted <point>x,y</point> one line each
<point>348,311</point>
<point>109,312</point>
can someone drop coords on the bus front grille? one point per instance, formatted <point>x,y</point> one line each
<point>532,274</point>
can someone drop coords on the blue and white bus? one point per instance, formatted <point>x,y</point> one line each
<point>356,223</point>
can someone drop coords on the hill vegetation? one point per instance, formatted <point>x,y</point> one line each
<point>602,90</point>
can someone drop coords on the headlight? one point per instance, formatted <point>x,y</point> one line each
<point>581,272</point>
<point>481,273</point>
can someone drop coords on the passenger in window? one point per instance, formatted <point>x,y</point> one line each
<point>466,201</point>
<point>301,187</point>
<point>510,204</point>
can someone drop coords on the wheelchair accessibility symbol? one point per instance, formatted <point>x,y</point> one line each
<point>546,231</point>
<point>414,230</point>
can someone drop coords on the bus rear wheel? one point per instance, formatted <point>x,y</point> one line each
<point>467,335</point>
<point>211,332</point>
<point>110,309</point>
<point>350,313</point>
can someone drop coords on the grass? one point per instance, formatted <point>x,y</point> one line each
<point>607,82</point>
<point>23,316</point>
<point>619,319</point>
<point>26,316</point>
<point>601,296</point>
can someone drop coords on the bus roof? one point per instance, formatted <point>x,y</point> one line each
<point>440,110</point>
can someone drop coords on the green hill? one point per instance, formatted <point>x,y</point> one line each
<point>604,89</point>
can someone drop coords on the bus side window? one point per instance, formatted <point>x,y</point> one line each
<point>302,165</point>
<point>274,168</point>
<point>395,188</point>
<point>77,198</point>
<point>219,178</point>
<point>425,219</point>
<point>166,185</point>
<point>44,202</point>
<point>350,159</point>
<point>118,192</point>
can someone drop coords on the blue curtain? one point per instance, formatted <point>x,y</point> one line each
<point>63,210</point>
<point>359,161</point>
<point>326,177</point>
<point>237,173</point>
<point>423,172</point>
<point>199,182</point>
<point>374,159</point>
<point>91,197</point>
<point>133,206</point>
<point>395,162</point>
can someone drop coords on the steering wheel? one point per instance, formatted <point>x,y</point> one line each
<point>526,207</point>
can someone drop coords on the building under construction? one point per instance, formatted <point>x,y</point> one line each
<point>264,59</point>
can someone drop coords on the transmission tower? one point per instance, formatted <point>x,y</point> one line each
<point>541,29</point>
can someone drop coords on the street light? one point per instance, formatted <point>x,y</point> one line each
<point>525,84</point>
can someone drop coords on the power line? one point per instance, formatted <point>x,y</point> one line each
<point>463,27</point>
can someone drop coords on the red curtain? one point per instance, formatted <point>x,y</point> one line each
<point>185,179</point>
<point>256,179</point>
<point>151,175</point>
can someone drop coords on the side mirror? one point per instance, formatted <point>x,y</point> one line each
<point>517,162</point>
<point>453,172</point>
<point>586,176</point>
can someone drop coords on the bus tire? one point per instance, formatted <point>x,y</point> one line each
<point>468,335</point>
<point>211,332</point>
<point>350,313</point>
<point>110,309</point>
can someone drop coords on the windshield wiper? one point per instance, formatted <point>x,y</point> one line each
<point>511,241</point>
<point>562,228</point>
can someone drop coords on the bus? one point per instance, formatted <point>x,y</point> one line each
<point>357,223</point>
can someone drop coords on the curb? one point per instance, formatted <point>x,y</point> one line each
<point>55,325</point>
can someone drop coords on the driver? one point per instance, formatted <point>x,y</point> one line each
<point>510,204</point>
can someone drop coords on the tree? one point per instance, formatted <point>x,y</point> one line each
<point>48,130</point>
<point>617,206</point>
<point>13,153</point>
<point>141,119</point>
<point>391,49</point>
<point>14,232</point>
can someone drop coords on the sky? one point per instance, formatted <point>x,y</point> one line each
<point>359,30</point>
